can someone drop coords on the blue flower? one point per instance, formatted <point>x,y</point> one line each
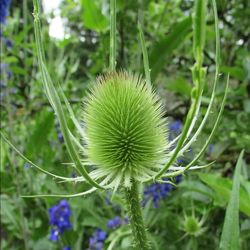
<point>176,127</point>
<point>26,165</point>
<point>67,248</point>
<point>60,137</point>
<point>158,191</point>
<point>8,43</point>
<point>97,239</point>
<point>4,10</point>
<point>178,179</point>
<point>54,234</point>
<point>114,223</point>
<point>59,219</point>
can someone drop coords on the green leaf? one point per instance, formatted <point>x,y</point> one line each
<point>231,232</point>
<point>180,86</point>
<point>43,243</point>
<point>9,215</point>
<point>18,70</point>
<point>93,17</point>
<point>222,187</point>
<point>235,72</point>
<point>39,136</point>
<point>166,46</point>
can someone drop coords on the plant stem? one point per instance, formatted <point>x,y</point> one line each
<point>135,217</point>
<point>112,35</point>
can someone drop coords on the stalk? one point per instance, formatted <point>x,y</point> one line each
<point>112,35</point>
<point>135,216</point>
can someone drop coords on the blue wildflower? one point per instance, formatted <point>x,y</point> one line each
<point>178,179</point>
<point>8,43</point>
<point>60,137</point>
<point>60,219</point>
<point>97,239</point>
<point>54,234</point>
<point>67,248</point>
<point>176,127</point>
<point>156,192</point>
<point>4,10</point>
<point>26,165</point>
<point>114,223</point>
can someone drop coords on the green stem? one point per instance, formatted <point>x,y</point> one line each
<point>112,35</point>
<point>135,217</point>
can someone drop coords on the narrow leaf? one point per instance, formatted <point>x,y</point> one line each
<point>231,232</point>
<point>222,188</point>
<point>166,46</point>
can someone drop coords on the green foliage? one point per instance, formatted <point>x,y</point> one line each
<point>222,187</point>
<point>231,232</point>
<point>164,48</point>
<point>93,17</point>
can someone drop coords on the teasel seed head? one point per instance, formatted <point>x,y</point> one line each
<point>126,134</point>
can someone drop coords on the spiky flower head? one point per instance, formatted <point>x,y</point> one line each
<point>193,226</point>
<point>126,134</point>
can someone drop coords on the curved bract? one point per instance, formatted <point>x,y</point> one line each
<point>125,130</point>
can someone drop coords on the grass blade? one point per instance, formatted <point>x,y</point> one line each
<point>231,232</point>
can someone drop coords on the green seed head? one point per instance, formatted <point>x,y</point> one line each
<point>125,130</point>
<point>191,225</point>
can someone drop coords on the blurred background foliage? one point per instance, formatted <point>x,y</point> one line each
<point>74,61</point>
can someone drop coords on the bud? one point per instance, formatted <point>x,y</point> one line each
<point>126,134</point>
<point>193,226</point>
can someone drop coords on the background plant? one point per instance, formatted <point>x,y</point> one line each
<point>27,108</point>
